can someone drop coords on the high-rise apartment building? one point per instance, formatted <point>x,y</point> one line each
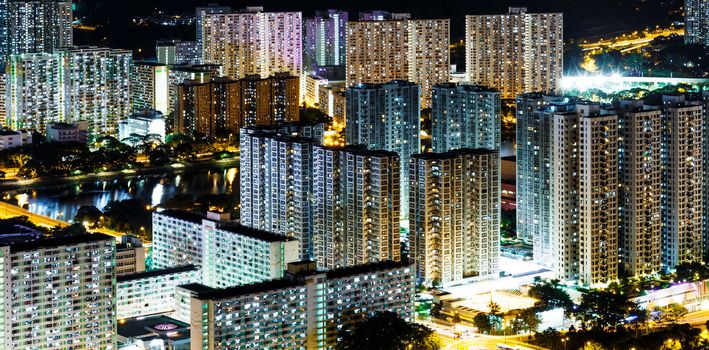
<point>584,194</point>
<point>696,22</point>
<point>533,167</point>
<point>38,26</point>
<point>515,53</point>
<point>465,116</point>
<point>179,74</point>
<point>227,254</point>
<point>200,15</point>
<point>223,104</point>
<point>148,86</point>
<point>304,310</point>
<point>253,42</point>
<point>324,40</point>
<point>276,184</point>
<point>682,141</point>
<point>75,306</point>
<point>454,218</point>
<point>639,173</point>
<point>355,206</point>
<point>43,75</point>
<point>387,117</point>
<point>379,51</point>
<point>208,108</point>
<point>79,83</point>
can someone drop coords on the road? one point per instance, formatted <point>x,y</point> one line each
<point>632,41</point>
<point>480,342</point>
<point>8,210</point>
<point>697,318</point>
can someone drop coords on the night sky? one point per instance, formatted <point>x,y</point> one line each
<point>583,18</point>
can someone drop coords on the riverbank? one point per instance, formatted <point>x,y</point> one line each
<point>9,186</point>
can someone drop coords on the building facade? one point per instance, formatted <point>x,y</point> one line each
<point>454,219</point>
<point>386,117</point>
<point>38,26</point>
<point>77,307</point>
<point>682,140</point>
<point>141,124</point>
<point>227,254</point>
<point>148,84</point>
<point>80,83</point>
<point>253,42</point>
<point>151,292</point>
<point>355,206</point>
<point>515,53</point>
<point>379,51</point>
<point>639,174</point>
<point>324,39</point>
<point>696,18</point>
<point>305,310</point>
<point>465,116</point>
<point>276,185</point>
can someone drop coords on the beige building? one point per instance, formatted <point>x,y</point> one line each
<point>639,192</point>
<point>584,195</point>
<point>355,206</point>
<point>682,181</point>
<point>516,52</point>
<point>253,42</point>
<point>454,214</point>
<point>130,255</point>
<point>379,51</point>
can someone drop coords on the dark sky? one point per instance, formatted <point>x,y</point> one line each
<point>583,18</point>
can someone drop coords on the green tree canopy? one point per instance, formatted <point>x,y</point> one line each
<point>387,331</point>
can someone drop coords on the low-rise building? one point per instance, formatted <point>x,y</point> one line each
<point>153,333</point>
<point>68,132</point>
<point>304,310</point>
<point>130,255</point>
<point>141,124</point>
<point>151,292</point>
<point>11,139</point>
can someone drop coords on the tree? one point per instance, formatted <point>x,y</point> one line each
<point>89,214</point>
<point>694,271</point>
<point>387,331</point>
<point>482,322</point>
<point>130,215</point>
<point>528,320</point>
<point>602,308</point>
<point>592,345</point>
<point>551,295</point>
<point>673,312</point>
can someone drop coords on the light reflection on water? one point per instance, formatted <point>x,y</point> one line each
<point>63,202</point>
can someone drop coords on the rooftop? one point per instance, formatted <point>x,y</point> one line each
<point>207,293</point>
<point>155,273</point>
<point>225,225</point>
<point>154,327</point>
<point>455,152</point>
<point>24,241</point>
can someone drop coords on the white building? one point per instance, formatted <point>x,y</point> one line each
<point>143,123</point>
<point>304,310</point>
<point>228,254</point>
<point>148,84</point>
<point>66,132</point>
<point>454,218</point>
<point>57,293</point>
<point>11,139</point>
<point>38,26</point>
<point>276,184</point>
<point>151,292</point>
<point>386,117</point>
<point>356,206</point>
<point>78,83</point>
<point>465,116</point>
